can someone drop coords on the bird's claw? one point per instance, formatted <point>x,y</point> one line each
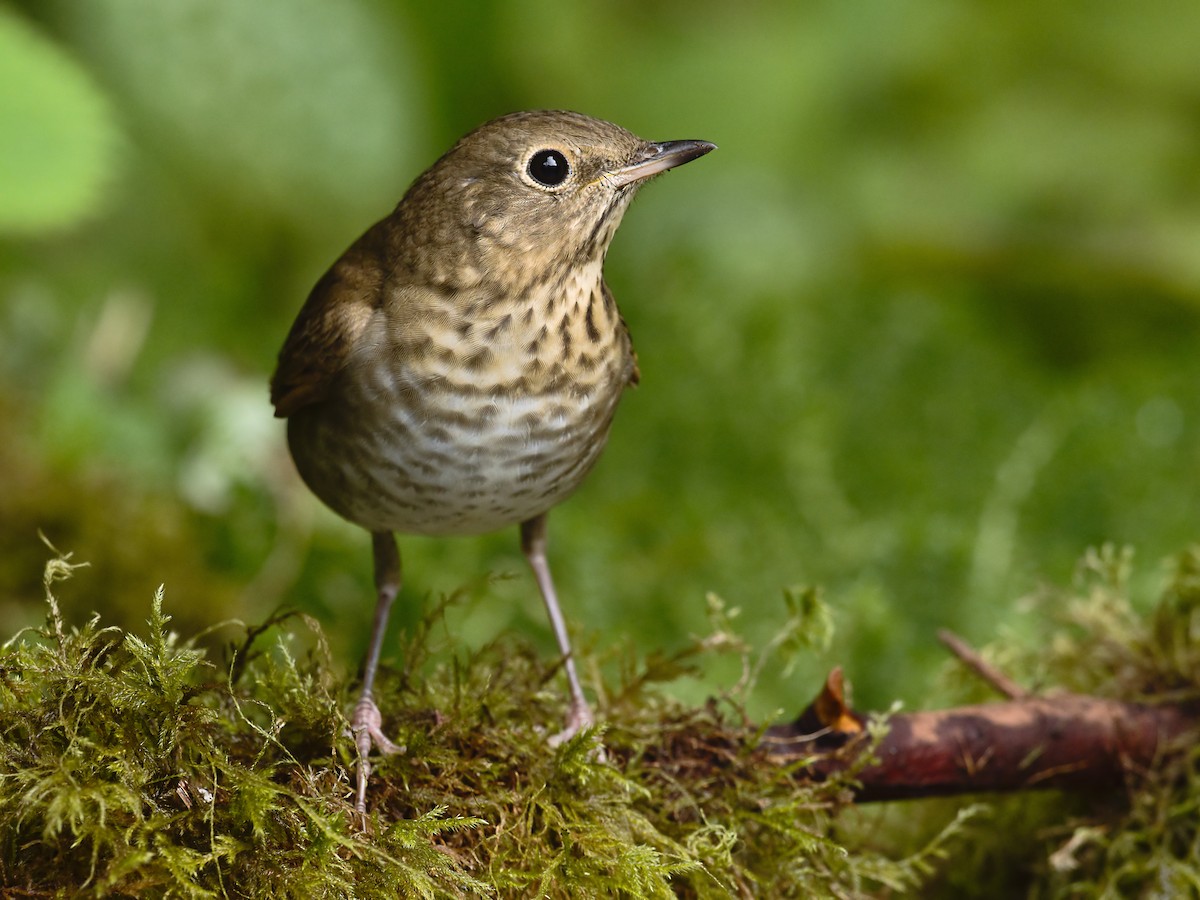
<point>579,717</point>
<point>366,725</point>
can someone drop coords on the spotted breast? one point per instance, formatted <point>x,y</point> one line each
<point>487,412</point>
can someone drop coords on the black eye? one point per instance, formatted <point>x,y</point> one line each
<point>549,168</point>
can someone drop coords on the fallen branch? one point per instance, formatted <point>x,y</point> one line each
<point>1061,740</point>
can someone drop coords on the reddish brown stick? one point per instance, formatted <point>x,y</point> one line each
<point>1067,740</point>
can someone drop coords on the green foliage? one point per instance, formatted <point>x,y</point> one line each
<point>342,136</point>
<point>1103,645</point>
<point>1144,842</point>
<point>57,134</point>
<point>921,329</point>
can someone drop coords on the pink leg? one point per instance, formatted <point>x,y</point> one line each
<point>533,544</point>
<point>366,723</point>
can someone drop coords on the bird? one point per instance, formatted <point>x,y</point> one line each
<point>457,369</point>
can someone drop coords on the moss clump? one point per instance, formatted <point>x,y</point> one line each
<point>136,766</point>
<point>1145,841</point>
<point>1110,635</point>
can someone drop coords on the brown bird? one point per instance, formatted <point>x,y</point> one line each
<point>456,371</point>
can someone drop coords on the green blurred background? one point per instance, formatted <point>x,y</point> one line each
<point>924,329</point>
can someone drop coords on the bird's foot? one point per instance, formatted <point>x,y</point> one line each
<point>579,717</point>
<point>367,727</point>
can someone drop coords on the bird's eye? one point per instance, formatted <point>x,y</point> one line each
<point>549,168</point>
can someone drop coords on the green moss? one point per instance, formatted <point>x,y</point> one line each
<point>138,765</point>
<point>1146,840</point>
<point>1106,637</point>
<point>143,766</point>
<point>134,767</point>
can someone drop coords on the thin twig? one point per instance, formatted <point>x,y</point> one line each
<point>981,667</point>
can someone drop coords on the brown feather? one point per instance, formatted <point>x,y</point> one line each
<point>330,324</point>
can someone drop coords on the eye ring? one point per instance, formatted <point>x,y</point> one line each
<point>548,168</point>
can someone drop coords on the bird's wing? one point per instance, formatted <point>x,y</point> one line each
<point>330,325</point>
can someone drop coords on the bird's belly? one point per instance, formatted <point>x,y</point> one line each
<point>446,461</point>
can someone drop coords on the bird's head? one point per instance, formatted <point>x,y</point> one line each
<point>528,193</point>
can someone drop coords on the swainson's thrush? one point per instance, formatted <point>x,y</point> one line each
<point>457,369</point>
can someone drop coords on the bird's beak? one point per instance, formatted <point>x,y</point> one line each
<point>658,158</point>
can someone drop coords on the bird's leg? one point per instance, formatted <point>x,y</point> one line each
<point>533,544</point>
<point>366,723</point>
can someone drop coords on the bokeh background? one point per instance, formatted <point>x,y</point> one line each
<point>925,328</point>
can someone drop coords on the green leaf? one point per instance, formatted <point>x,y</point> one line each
<point>300,108</point>
<point>57,134</point>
